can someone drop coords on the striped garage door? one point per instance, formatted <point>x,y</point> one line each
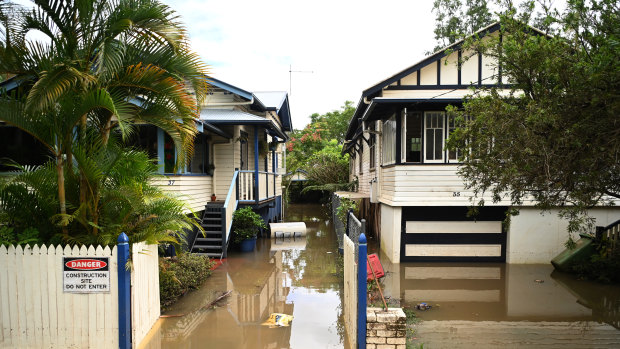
<point>447,234</point>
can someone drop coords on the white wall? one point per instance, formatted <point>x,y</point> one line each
<point>390,232</point>
<point>536,238</point>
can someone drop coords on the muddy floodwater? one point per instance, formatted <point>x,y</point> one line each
<point>505,305</point>
<point>297,276</point>
<point>472,305</point>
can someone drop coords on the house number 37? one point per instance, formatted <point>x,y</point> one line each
<point>171,182</point>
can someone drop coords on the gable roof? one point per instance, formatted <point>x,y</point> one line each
<point>277,101</point>
<point>249,96</point>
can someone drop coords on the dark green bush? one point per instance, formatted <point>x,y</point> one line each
<point>600,268</point>
<point>181,274</point>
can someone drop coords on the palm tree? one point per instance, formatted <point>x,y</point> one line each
<point>103,65</point>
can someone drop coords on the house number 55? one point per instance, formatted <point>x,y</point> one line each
<point>456,193</point>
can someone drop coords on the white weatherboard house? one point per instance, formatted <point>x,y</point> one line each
<point>396,140</point>
<point>238,156</point>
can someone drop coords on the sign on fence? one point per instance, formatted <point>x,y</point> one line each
<point>86,274</point>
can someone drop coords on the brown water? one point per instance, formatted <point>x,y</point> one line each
<point>297,276</point>
<point>474,305</point>
<point>501,292</point>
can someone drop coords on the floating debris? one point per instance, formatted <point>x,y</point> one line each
<point>423,306</point>
<point>278,320</point>
<point>539,281</point>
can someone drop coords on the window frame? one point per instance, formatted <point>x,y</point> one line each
<point>425,128</point>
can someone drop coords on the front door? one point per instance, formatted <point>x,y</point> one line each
<point>244,150</point>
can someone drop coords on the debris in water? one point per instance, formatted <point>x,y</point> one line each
<point>329,252</point>
<point>278,320</point>
<point>539,281</point>
<point>423,306</point>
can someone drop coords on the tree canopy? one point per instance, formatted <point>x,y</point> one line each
<point>555,137</point>
<point>453,20</point>
<point>316,149</point>
<point>95,68</point>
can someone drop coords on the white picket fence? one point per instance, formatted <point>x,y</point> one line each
<point>350,291</point>
<point>36,313</point>
<point>144,290</point>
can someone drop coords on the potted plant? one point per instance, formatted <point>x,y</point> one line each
<point>246,225</point>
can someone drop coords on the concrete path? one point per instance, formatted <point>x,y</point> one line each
<point>508,334</point>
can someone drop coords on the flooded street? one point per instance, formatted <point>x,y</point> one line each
<point>505,305</point>
<point>473,305</point>
<point>297,276</point>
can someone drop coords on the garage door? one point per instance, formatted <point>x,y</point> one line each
<point>453,238</point>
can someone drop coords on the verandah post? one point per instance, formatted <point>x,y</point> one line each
<point>361,292</point>
<point>124,299</point>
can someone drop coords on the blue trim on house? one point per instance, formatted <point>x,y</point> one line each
<point>257,104</point>
<point>160,151</point>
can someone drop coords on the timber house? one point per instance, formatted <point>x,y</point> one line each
<point>238,159</point>
<point>396,139</point>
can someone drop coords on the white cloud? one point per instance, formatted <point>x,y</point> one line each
<point>349,45</point>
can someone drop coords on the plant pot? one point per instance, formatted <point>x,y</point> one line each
<point>247,245</point>
<point>213,197</point>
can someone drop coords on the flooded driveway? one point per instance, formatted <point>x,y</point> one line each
<point>505,305</point>
<point>297,276</point>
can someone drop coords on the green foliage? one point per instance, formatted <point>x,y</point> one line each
<point>11,236</point>
<point>453,21</point>
<point>78,91</point>
<point>604,269</point>
<point>327,169</point>
<point>342,211</point>
<point>246,224</point>
<point>124,200</point>
<point>554,137</point>
<point>177,276</point>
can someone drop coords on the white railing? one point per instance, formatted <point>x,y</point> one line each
<point>266,185</point>
<point>350,291</point>
<point>230,206</point>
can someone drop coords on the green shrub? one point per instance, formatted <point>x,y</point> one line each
<point>246,224</point>
<point>600,268</point>
<point>181,274</point>
<point>12,236</point>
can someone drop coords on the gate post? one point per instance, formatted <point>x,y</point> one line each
<point>361,292</point>
<point>124,299</point>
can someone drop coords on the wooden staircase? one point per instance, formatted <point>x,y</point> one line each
<point>211,243</point>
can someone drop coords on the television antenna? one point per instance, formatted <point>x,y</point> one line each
<point>290,77</point>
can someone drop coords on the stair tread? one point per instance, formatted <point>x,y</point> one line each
<point>208,247</point>
<point>208,239</point>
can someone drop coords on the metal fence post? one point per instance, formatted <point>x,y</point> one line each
<point>124,299</point>
<point>361,292</point>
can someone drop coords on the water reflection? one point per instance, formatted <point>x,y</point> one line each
<point>296,276</point>
<point>500,292</point>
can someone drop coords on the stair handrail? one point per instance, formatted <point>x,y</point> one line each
<point>229,198</point>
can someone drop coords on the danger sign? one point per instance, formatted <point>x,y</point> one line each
<point>86,274</point>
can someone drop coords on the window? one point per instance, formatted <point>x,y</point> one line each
<point>169,154</point>
<point>433,137</point>
<point>389,140</point>
<point>199,163</point>
<point>371,148</point>
<point>145,139</point>
<point>413,137</point>
<point>361,157</point>
<point>243,139</point>
<point>452,155</point>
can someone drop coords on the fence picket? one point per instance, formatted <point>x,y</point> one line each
<point>34,278</point>
<point>36,312</point>
<point>45,317</point>
<point>4,296</point>
<point>21,297</point>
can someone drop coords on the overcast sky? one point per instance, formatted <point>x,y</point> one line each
<point>348,45</point>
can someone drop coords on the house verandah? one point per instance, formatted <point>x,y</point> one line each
<point>238,159</point>
<point>396,140</point>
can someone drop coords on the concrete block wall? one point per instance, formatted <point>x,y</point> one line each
<point>386,329</point>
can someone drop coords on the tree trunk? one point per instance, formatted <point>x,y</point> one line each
<point>61,192</point>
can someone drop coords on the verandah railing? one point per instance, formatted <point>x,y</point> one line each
<point>248,191</point>
<point>610,236</point>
